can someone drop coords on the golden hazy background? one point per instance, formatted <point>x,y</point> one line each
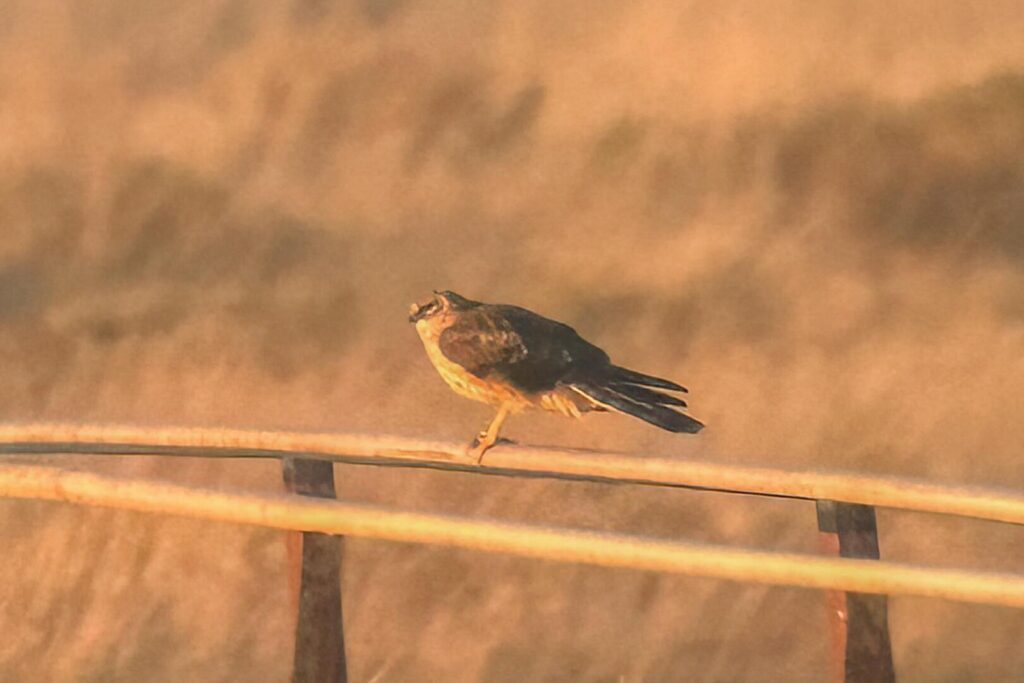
<point>217,213</point>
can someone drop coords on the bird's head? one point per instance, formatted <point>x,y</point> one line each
<point>441,303</point>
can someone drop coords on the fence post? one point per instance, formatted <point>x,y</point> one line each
<point>858,622</point>
<point>319,633</point>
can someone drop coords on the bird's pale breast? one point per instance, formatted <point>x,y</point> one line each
<point>462,381</point>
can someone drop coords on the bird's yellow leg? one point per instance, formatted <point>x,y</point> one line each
<point>489,436</point>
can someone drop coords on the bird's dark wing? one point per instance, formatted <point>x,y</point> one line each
<point>655,411</point>
<point>530,351</point>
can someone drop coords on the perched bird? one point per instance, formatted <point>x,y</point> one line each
<point>513,359</point>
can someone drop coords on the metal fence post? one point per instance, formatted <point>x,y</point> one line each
<point>319,633</point>
<point>860,648</point>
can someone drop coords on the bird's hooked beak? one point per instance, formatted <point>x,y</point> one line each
<point>420,311</point>
<point>436,305</point>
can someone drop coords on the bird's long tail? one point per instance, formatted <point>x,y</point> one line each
<point>626,392</point>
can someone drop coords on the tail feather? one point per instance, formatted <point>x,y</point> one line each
<point>627,376</point>
<point>657,415</point>
<point>644,395</point>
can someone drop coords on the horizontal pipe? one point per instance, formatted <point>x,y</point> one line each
<point>609,550</point>
<point>515,460</point>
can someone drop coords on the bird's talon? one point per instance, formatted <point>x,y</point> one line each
<point>477,447</point>
<point>476,451</point>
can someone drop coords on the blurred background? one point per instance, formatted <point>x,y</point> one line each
<point>218,212</point>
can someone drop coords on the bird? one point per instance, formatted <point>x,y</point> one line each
<point>514,359</point>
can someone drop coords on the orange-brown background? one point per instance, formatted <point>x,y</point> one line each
<point>216,213</point>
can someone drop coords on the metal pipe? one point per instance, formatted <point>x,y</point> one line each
<point>523,461</point>
<point>611,550</point>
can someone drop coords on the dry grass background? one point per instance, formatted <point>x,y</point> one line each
<point>217,212</point>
